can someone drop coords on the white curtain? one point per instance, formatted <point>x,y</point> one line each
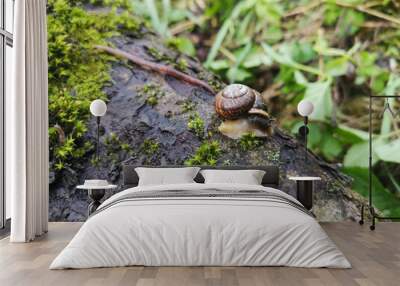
<point>27,121</point>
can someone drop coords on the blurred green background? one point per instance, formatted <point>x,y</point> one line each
<point>334,53</point>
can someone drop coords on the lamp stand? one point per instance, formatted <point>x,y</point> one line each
<point>98,118</point>
<point>303,131</point>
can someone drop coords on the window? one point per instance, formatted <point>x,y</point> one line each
<point>6,65</point>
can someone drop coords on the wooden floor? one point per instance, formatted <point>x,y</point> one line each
<point>375,257</point>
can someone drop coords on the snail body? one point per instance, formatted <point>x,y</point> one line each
<point>234,101</point>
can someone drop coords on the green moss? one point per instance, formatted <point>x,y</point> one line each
<point>188,106</point>
<point>77,71</point>
<point>249,141</point>
<point>152,92</point>
<point>150,147</point>
<point>207,154</point>
<point>273,156</point>
<point>215,84</point>
<point>182,64</point>
<point>196,125</point>
<point>182,45</point>
<point>115,147</point>
<point>159,56</point>
<point>152,100</point>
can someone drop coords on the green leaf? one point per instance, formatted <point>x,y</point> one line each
<point>300,78</point>
<point>219,64</point>
<point>315,135</point>
<point>350,23</point>
<point>351,135</point>
<point>155,19</point>
<point>241,55</point>
<point>382,198</point>
<point>358,154</point>
<point>302,52</point>
<point>238,75</point>
<point>319,93</point>
<point>393,84</point>
<point>331,14</point>
<point>269,10</point>
<point>256,58</point>
<point>331,148</point>
<point>239,8</point>
<point>389,152</point>
<point>321,46</point>
<point>285,59</point>
<point>337,67</point>
<point>184,45</point>
<point>379,81</point>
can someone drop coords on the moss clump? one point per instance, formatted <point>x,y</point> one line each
<point>150,147</point>
<point>179,64</point>
<point>215,84</point>
<point>152,100</point>
<point>188,106</point>
<point>196,125</point>
<point>159,56</point>
<point>182,64</point>
<point>207,154</point>
<point>273,156</point>
<point>249,141</point>
<point>114,148</point>
<point>152,92</point>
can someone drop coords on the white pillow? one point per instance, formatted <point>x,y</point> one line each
<point>166,176</point>
<point>248,177</point>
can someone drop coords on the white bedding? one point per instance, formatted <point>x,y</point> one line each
<point>200,231</point>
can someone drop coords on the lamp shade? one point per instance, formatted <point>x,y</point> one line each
<point>305,108</point>
<point>98,107</point>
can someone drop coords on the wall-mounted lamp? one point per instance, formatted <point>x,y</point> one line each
<point>305,108</point>
<point>98,108</point>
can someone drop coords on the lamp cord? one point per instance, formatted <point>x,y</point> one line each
<point>305,137</point>
<point>97,144</point>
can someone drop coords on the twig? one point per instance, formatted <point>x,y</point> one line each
<point>369,11</point>
<point>377,24</point>
<point>163,69</point>
<point>362,8</point>
<point>303,9</point>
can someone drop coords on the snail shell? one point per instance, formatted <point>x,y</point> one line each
<point>234,100</point>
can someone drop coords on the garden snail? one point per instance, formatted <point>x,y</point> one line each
<point>243,111</point>
<point>234,101</point>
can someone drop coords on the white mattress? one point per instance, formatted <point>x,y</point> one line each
<point>200,231</point>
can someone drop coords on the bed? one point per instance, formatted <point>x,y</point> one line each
<point>201,224</point>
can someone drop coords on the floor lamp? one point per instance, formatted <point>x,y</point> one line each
<point>305,108</point>
<point>98,108</point>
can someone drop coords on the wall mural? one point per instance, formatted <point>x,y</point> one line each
<point>170,105</point>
